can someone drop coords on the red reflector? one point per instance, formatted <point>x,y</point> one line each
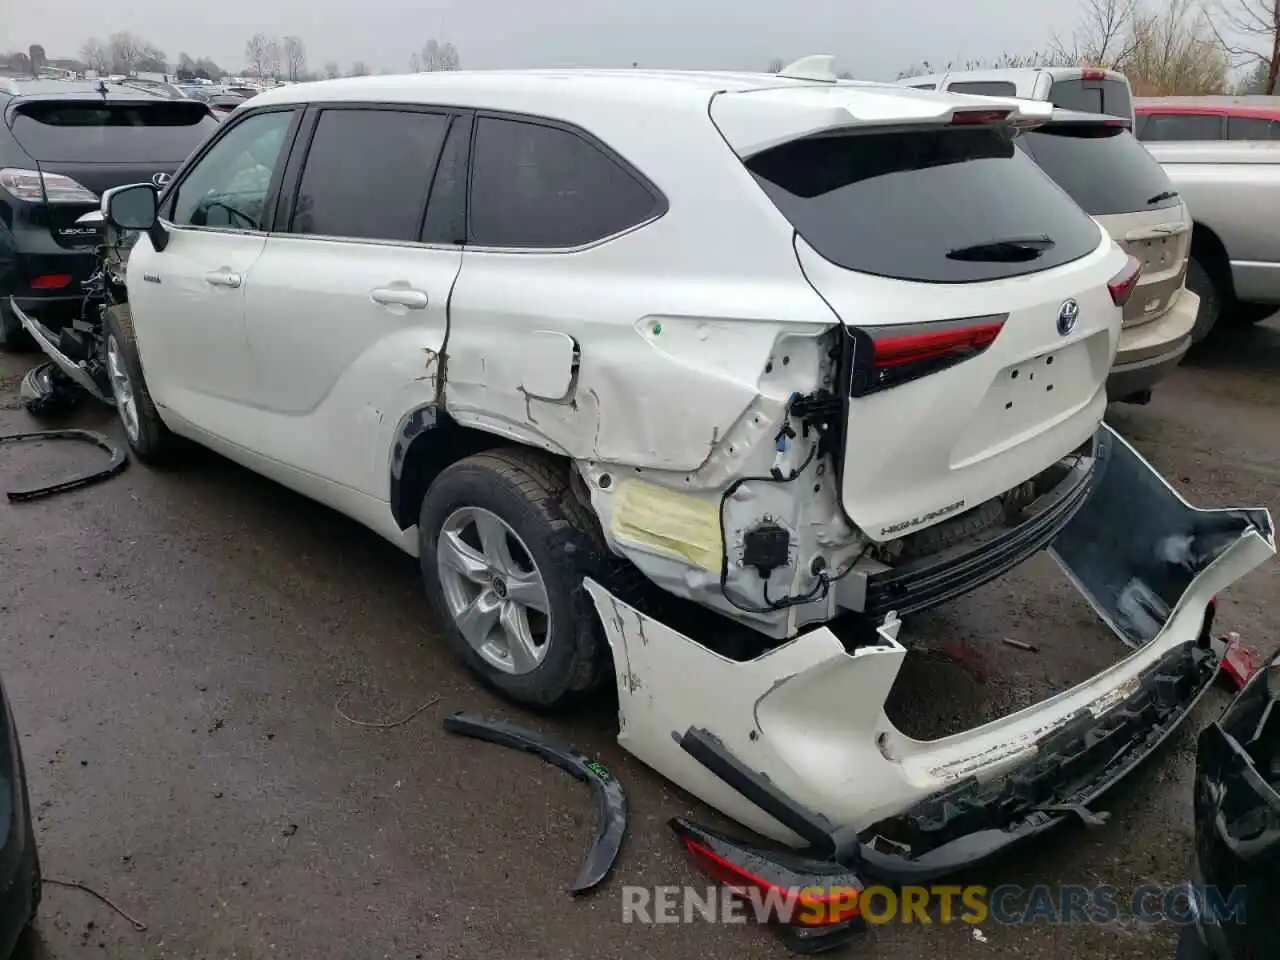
<point>812,906</point>
<point>1124,282</point>
<point>914,348</point>
<point>1093,74</point>
<point>978,117</point>
<point>51,281</point>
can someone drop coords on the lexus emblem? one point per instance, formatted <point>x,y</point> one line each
<point>160,179</point>
<point>1068,314</point>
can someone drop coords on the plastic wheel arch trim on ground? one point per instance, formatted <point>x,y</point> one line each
<point>611,800</point>
<point>115,465</point>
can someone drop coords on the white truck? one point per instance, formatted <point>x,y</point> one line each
<point>1230,187</point>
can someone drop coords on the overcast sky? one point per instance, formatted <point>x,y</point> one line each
<point>872,38</point>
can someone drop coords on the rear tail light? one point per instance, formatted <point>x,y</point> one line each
<point>51,281</point>
<point>885,357</point>
<point>1093,74</point>
<point>1123,283</point>
<point>812,903</point>
<point>979,117</point>
<point>37,187</point>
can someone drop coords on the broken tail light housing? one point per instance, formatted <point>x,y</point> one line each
<point>1123,283</point>
<point>885,357</point>
<point>812,904</point>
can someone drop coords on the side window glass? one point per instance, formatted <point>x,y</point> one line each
<point>539,186</point>
<point>1249,128</point>
<point>1183,126</point>
<point>228,187</point>
<point>446,220</point>
<point>984,88</point>
<point>367,173</point>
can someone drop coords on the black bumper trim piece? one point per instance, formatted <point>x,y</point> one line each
<point>116,464</point>
<point>610,798</point>
<point>929,581</point>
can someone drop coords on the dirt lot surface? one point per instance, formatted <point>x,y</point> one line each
<point>177,645</point>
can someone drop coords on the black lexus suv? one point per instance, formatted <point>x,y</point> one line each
<point>62,143</point>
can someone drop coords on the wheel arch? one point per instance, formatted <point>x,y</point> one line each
<point>1208,248</point>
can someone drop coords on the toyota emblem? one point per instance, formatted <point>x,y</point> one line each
<point>160,179</point>
<point>1068,314</point>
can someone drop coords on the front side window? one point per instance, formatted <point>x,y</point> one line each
<point>540,186</point>
<point>229,185</point>
<point>1182,126</point>
<point>367,174</point>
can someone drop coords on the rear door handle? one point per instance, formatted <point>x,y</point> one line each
<point>223,278</point>
<point>399,296</point>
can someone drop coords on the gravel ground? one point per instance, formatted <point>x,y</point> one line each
<point>176,645</point>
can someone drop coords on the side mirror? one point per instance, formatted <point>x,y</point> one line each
<point>135,207</point>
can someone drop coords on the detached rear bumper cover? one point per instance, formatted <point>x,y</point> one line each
<point>797,746</point>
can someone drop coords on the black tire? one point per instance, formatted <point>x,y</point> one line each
<point>151,442</point>
<point>47,393</point>
<point>1245,314</point>
<point>529,492</point>
<point>13,336</point>
<point>1201,282</point>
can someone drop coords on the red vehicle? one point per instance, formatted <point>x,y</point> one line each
<point>1208,118</point>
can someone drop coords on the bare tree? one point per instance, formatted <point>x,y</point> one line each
<point>274,58</point>
<point>1175,50</point>
<point>126,50</point>
<point>151,59</point>
<point>1249,33</point>
<point>96,56</point>
<point>439,56</point>
<point>415,63</point>
<point>776,65</point>
<point>256,57</point>
<point>295,57</point>
<point>1104,36</point>
<point>332,70</point>
<point>359,69</point>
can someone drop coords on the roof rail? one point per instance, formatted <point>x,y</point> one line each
<point>819,66</point>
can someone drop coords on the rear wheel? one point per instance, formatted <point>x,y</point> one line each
<point>148,437</point>
<point>504,546</point>
<point>1202,283</point>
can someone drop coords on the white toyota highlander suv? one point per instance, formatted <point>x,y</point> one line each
<point>666,376</point>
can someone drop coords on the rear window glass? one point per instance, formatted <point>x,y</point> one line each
<point>1104,169</point>
<point>984,88</point>
<point>160,132</point>
<point>1182,126</point>
<point>1093,96</point>
<point>942,206</point>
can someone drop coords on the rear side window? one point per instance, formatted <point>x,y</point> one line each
<point>1252,128</point>
<point>539,186</point>
<point>942,206</point>
<point>367,174</point>
<point>1182,126</point>
<point>165,131</point>
<point>984,88</point>
<point>1104,169</point>
<point>1110,97</point>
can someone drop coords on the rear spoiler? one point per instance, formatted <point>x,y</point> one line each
<point>756,120</point>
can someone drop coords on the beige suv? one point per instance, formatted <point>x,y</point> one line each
<point>1111,176</point>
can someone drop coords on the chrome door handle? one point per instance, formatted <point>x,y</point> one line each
<point>399,296</point>
<point>223,278</point>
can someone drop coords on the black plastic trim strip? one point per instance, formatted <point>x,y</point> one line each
<point>115,465</point>
<point>610,798</point>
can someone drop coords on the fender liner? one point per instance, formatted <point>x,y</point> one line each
<point>611,823</point>
<point>117,462</point>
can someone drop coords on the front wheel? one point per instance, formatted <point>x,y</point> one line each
<point>504,546</point>
<point>148,437</point>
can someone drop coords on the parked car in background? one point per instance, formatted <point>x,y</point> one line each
<point>1232,189</point>
<point>1073,88</point>
<point>19,860</point>
<point>1236,876</point>
<point>1098,162</point>
<point>62,145</point>
<point>223,103</point>
<point>1165,119</point>
<point>242,91</point>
